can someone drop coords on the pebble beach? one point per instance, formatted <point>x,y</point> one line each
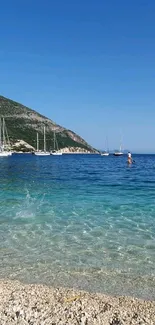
<point>42,305</point>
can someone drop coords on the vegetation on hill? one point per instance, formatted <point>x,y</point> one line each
<point>23,123</point>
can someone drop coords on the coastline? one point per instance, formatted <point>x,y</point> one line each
<point>42,305</point>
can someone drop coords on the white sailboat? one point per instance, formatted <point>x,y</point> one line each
<point>4,140</point>
<point>55,152</point>
<point>106,152</point>
<point>119,152</point>
<point>39,152</point>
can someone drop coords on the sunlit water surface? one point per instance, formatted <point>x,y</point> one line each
<point>81,221</point>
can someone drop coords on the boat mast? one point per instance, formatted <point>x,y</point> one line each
<point>120,148</point>
<point>56,143</point>
<point>3,133</point>
<point>0,133</point>
<point>54,139</point>
<point>37,142</point>
<point>44,140</point>
<point>107,145</point>
<point>7,137</point>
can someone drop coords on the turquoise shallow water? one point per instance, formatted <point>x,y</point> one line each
<point>84,221</point>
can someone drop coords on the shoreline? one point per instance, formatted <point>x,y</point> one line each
<point>63,153</point>
<point>42,305</point>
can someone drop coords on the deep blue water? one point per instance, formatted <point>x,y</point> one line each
<point>84,221</point>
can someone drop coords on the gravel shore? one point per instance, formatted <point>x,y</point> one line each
<point>41,305</point>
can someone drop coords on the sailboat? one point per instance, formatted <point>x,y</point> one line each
<point>55,152</point>
<point>106,152</point>
<point>119,152</point>
<point>4,140</point>
<point>39,152</point>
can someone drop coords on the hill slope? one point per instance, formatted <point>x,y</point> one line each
<point>23,123</point>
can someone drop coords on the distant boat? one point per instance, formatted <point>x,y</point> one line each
<point>55,151</point>
<point>4,140</point>
<point>40,152</point>
<point>119,152</point>
<point>106,152</point>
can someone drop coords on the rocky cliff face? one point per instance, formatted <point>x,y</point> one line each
<point>23,123</point>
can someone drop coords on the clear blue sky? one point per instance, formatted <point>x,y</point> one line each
<point>88,65</point>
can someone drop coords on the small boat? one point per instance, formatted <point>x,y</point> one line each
<point>56,151</point>
<point>119,152</point>
<point>40,152</point>
<point>4,140</point>
<point>106,152</point>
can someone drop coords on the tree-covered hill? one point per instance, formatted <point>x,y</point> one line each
<point>23,123</point>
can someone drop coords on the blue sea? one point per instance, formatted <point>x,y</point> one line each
<point>81,221</point>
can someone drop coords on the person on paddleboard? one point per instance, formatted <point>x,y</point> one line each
<point>129,158</point>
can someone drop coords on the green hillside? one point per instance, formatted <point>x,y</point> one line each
<point>23,123</point>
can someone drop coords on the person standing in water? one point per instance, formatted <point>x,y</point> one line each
<point>129,158</point>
